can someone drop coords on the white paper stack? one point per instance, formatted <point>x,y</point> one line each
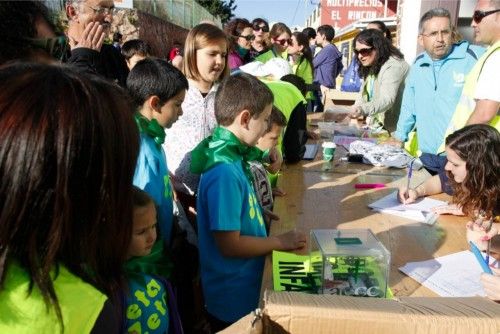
<point>454,275</point>
<point>419,211</point>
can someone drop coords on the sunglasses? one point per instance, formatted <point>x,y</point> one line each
<point>263,28</point>
<point>479,15</point>
<point>283,41</point>
<point>364,52</point>
<point>247,37</point>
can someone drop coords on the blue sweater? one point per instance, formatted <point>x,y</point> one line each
<point>327,66</point>
<point>431,94</point>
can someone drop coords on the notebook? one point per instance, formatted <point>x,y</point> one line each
<point>311,151</point>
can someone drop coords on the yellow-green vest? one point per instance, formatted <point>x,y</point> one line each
<point>80,304</point>
<point>270,54</point>
<point>466,104</point>
<point>286,98</point>
<point>304,70</point>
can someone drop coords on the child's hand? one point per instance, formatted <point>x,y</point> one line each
<point>480,235</point>
<point>276,159</point>
<point>407,196</point>
<point>393,142</point>
<point>271,215</point>
<point>278,192</point>
<point>450,209</point>
<point>292,240</point>
<point>312,135</point>
<point>491,284</point>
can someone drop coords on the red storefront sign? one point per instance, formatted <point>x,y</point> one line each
<point>340,13</point>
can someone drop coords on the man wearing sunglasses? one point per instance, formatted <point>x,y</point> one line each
<point>327,64</point>
<point>433,86</point>
<point>480,98</point>
<point>89,23</point>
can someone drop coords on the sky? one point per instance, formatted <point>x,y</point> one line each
<point>290,12</point>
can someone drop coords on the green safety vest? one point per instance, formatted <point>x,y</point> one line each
<point>466,104</point>
<point>270,54</point>
<point>304,70</point>
<point>80,304</point>
<point>286,98</point>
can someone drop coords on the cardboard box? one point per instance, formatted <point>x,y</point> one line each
<point>300,313</point>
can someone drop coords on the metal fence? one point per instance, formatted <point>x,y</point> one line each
<point>184,13</point>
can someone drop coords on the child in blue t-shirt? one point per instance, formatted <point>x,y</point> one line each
<point>150,303</point>
<point>232,235</point>
<point>158,90</point>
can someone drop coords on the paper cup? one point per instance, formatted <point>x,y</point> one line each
<point>329,150</point>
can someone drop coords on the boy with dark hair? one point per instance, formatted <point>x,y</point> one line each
<point>231,230</point>
<point>158,90</point>
<point>327,64</point>
<point>135,50</point>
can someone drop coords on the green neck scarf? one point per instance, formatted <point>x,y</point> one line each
<point>223,146</point>
<point>155,263</point>
<point>151,128</point>
<point>242,52</point>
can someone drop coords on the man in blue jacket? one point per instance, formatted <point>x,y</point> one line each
<point>434,85</point>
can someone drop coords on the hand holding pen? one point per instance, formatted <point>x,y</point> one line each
<point>407,195</point>
<point>410,172</point>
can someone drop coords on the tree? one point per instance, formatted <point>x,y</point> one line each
<point>222,8</point>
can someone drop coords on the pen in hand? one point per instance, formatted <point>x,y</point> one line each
<point>410,170</point>
<point>488,252</point>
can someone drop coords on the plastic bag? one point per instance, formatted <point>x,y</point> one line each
<point>352,81</point>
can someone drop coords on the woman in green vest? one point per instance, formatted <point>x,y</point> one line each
<point>301,59</point>
<point>280,38</point>
<point>67,156</point>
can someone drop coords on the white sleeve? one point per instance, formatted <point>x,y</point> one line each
<point>487,87</point>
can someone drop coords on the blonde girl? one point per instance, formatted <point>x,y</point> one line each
<point>205,64</point>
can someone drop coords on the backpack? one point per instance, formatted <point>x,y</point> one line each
<point>352,81</point>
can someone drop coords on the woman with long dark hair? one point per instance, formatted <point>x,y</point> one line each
<point>383,69</point>
<point>301,59</point>
<point>240,35</point>
<point>68,148</point>
<point>472,176</point>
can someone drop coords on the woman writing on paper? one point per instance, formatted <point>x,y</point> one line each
<point>472,176</point>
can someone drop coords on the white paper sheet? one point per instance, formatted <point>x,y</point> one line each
<point>454,275</point>
<point>419,211</point>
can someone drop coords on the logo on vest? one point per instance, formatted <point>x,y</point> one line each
<point>458,79</point>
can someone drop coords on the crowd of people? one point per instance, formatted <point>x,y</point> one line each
<point>137,192</point>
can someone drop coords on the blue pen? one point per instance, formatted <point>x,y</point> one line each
<point>479,257</point>
<point>410,169</point>
<point>488,253</point>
